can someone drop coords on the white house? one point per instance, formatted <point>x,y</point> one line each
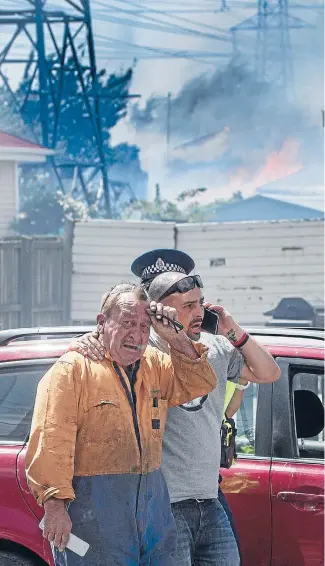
<point>14,151</point>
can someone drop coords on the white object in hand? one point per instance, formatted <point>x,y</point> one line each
<point>75,544</point>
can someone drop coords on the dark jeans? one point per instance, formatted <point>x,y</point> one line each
<point>204,534</point>
<point>227,509</point>
<point>230,516</point>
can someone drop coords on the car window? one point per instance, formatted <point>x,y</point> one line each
<point>17,395</point>
<point>245,419</point>
<point>308,403</point>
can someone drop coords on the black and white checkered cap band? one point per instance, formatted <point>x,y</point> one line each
<point>154,269</point>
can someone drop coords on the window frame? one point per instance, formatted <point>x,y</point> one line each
<point>21,364</point>
<point>284,439</point>
<point>293,373</point>
<point>263,430</point>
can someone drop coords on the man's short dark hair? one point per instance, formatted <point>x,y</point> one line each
<point>110,298</point>
<point>161,284</point>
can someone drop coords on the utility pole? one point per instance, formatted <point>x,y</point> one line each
<point>168,122</point>
<point>157,195</point>
<point>224,6</point>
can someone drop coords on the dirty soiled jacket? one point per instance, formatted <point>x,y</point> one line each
<point>85,423</point>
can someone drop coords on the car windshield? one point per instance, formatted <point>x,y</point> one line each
<point>18,387</point>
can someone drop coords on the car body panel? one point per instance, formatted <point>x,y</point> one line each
<point>297,484</point>
<point>43,547</point>
<point>18,523</point>
<point>246,486</point>
<point>297,522</point>
<point>251,485</point>
<point>19,351</point>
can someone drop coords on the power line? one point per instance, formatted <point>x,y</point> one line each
<point>165,13</point>
<point>134,23</point>
<point>168,11</point>
<point>159,52</point>
<point>158,25</point>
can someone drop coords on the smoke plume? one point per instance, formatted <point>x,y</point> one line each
<point>229,129</point>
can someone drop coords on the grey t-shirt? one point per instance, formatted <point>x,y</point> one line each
<point>191,444</point>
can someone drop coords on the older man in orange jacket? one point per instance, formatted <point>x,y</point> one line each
<point>96,437</point>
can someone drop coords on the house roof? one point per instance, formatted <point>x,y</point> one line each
<point>264,208</point>
<point>13,148</point>
<point>306,187</point>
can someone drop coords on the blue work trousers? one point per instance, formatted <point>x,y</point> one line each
<point>125,518</point>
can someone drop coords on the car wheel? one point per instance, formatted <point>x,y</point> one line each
<point>12,559</point>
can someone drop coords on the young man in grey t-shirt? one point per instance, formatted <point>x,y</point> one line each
<point>191,444</point>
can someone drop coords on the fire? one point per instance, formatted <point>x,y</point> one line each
<point>279,164</point>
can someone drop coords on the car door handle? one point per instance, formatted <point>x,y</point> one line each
<point>309,501</point>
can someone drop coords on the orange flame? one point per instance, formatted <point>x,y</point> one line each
<point>279,164</point>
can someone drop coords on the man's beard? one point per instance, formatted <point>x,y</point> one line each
<point>195,337</point>
<point>195,334</point>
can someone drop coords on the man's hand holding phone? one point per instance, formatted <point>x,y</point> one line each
<point>226,325</point>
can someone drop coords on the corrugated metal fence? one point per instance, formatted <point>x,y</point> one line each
<point>249,266</point>
<point>35,276</point>
<point>103,251</point>
<point>245,266</point>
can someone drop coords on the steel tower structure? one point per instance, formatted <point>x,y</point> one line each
<point>273,56</point>
<point>58,40</point>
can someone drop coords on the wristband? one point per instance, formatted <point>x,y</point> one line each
<point>241,387</point>
<point>240,343</point>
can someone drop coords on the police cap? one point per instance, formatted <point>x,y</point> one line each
<point>152,263</point>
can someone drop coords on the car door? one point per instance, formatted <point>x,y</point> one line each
<point>247,483</point>
<point>19,512</point>
<point>297,471</point>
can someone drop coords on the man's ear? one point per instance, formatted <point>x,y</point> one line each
<point>100,323</point>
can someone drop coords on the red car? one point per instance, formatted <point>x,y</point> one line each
<point>276,488</point>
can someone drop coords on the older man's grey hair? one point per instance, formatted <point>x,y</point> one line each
<point>162,283</point>
<point>110,298</point>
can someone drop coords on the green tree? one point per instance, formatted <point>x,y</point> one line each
<point>168,211</point>
<point>43,211</point>
<point>75,136</point>
<point>75,141</point>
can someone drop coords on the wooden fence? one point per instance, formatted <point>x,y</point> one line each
<point>35,281</point>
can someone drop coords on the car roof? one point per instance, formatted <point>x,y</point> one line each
<point>42,333</point>
<point>52,332</point>
<point>49,343</point>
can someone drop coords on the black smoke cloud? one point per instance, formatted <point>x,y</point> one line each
<point>257,116</point>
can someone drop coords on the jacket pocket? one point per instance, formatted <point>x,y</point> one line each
<point>103,422</point>
<point>158,415</point>
<point>158,418</point>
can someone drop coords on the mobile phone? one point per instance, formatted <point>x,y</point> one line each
<point>75,544</point>
<point>210,321</point>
